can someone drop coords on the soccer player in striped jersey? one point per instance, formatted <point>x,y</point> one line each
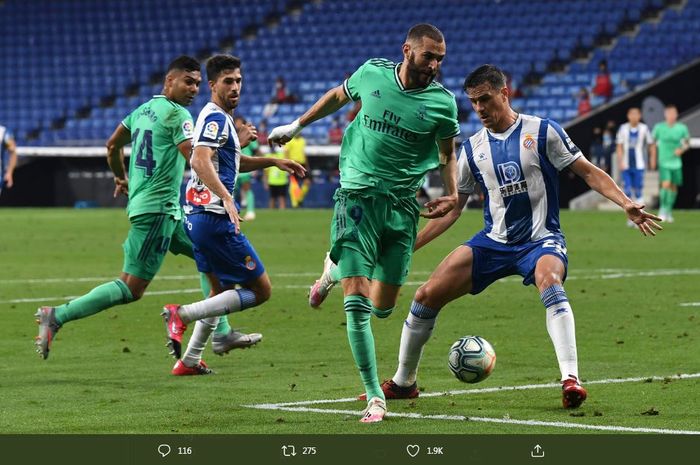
<point>8,158</point>
<point>515,159</point>
<point>406,127</point>
<point>633,138</point>
<point>221,250</point>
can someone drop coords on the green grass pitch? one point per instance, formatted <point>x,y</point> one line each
<point>635,299</point>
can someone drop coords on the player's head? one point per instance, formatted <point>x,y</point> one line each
<point>182,80</point>
<point>634,115</point>
<point>671,114</point>
<point>225,80</point>
<point>423,53</point>
<point>488,94</point>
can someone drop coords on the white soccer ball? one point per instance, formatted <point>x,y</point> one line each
<point>471,359</point>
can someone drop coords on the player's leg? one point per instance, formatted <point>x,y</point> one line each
<point>232,259</point>
<point>144,250</point>
<point>627,177</point>
<point>550,272</point>
<point>639,186</point>
<point>356,227</point>
<point>665,193</point>
<point>450,280</point>
<point>247,191</point>
<point>676,182</point>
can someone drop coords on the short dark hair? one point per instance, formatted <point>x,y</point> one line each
<point>668,106</point>
<point>219,63</point>
<point>486,73</point>
<point>419,31</point>
<point>184,63</point>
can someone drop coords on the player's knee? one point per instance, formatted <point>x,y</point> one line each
<point>548,280</point>
<point>136,293</point>
<point>425,294</point>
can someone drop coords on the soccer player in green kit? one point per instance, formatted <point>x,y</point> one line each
<point>160,131</point>
<point>672,140</point>
<point>406,127</point>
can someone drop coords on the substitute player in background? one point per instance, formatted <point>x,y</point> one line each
<point>515,159</point>
<point>406,127</point>
<point>8,158</point>
<point>221,250</point>
<point>672,140</point>
<point>633,138</point>
<point>160,131</point>
<point>243,183</point>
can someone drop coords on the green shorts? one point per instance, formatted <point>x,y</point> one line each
<point>150,237</point>
<point>373,234</point>
<point>243,178</point>
<point>674,175</point>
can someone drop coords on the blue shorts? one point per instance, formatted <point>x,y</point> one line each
<point>633,179</point>
<point>494,260</point>
<point>218,250</point>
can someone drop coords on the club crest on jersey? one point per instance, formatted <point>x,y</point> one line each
<point>211,130</point>
<point>187,129</point>
<point>420,112</point>
<point>528,141</point>
<point>197,197</point>
<point>250,263</point>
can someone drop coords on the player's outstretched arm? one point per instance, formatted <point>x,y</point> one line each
<point>332,101</point>
<point>439,225</point>
<point>448,172</point>
<point>115,158</point>
<point>599,181</point>
<point>248,164</point>
<point>204,167</point>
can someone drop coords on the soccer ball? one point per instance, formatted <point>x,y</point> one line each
<point>471,359</point>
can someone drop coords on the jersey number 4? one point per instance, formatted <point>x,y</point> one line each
<point>144,151</point>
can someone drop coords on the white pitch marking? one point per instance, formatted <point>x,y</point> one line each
<point>690,304</point>
<point>298,407</point>
<point>556,424</point>
<point>497,389</point>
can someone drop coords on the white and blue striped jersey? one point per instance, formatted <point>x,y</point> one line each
<point>634,143</point>
<point>5,137</point>
<point>214,128</point>
<point>518,171</point>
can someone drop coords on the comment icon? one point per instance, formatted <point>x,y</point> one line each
<point>164,450</point>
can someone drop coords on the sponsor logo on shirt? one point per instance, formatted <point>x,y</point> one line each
<point>198,197</point>
<point>211,130</point>
<point>481,156</point>
<point>376,93</point>
<point>510,176</point>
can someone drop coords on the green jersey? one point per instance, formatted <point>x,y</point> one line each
<point>668,139</point>
<point>156,165</point>
<point>392,142</point>
<point>250,149</point>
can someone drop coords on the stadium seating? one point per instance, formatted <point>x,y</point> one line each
<point>79,54</point>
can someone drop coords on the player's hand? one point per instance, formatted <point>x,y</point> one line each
<point>247,134</point>
<point>283,134</point>
<point>439,207</point>
<point>678,152</point>
<point>9,182</point>
<point>291,167</point>
<point>646,222</point>
<point>233,215</point>
<point>121,186</point>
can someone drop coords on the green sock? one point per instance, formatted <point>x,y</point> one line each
<point>672,195</point>
<point>250,198</point>
<point>100,298</point>
<point>663,199</point>
<point>358,312</point>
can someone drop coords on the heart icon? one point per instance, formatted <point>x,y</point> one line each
<point>412,449</point>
